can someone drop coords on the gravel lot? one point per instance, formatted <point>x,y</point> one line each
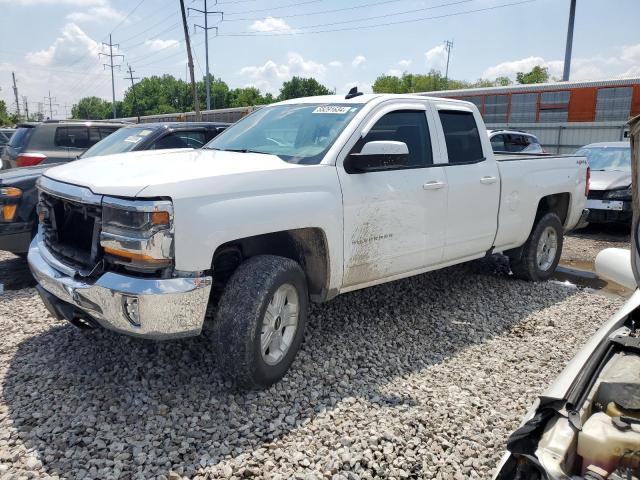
<point>421,378</point>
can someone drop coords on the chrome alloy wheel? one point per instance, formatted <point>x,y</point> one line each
<point>547,249</point>
<point>279,324</point>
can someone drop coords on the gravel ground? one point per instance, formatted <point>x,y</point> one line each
<point>421,378</point>
<point>582,246</point>
<point>14,273</point>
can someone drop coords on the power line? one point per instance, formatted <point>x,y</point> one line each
<point>363,27</point>
<point>112,66</point>
<point>15,92</point>
<point>375,17</point>
<point>50,98</point>
<point>321,12</point>
<point>448,45</point>
<point>133,90</point>
<point>206,12</point>
<point>280,7</point>
<point>125,19</point>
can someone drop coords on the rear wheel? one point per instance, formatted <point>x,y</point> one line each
<point>260,320</point>
<point>538,258</point>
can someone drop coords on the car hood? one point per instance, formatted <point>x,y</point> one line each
<point>128,174</point>
<point>609,180</point>
<point>7,177</point>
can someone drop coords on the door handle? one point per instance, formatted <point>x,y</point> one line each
<point>433,185</point>
<point>488,180</point>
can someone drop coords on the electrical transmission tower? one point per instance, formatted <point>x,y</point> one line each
<point>206,12</point>
<point>15,92</point>
<point>51,99</point>
<point>133,90</point>
<point>448,45</point>
<point>112,66</point>
<point>26,107</point>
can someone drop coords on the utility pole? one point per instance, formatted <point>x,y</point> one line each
<point>206,29</point>
<point>51,105</point>
<point>66,110</point>
<point>567,51</point>
<point>15,92</point>
<point>133,90</point>
<point>111,66</point>
<point>26,107</point>
<point>448,45</point>
<point>194,90</point>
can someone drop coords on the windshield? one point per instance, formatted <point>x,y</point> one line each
<point>297,133</point>
<point>607,158</point>
<point>19,138</point>
<point>120,141</point>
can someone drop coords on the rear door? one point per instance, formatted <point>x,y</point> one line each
<point>393,219</point>
<point>473,181</point>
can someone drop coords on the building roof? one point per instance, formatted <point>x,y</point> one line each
<point>536,87</point>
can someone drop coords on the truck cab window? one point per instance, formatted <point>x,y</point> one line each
<point>461,136</point>
<point>408,126</point>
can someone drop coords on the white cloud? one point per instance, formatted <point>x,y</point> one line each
<point>437,57</point>
<point>66,49</point>
<point>335,64</point>
<point>97,14</point>
<point>359,60</point>
<point>405,63</point>
<point>271,24</point>
<point>625,63</point>
<point>269,77</point>
<point>159,44</point>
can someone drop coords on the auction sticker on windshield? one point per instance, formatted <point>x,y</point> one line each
<point>332,109</point>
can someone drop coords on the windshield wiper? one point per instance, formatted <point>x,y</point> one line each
<point>238,150</point>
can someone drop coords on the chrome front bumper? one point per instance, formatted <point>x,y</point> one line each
<point>167,308</point>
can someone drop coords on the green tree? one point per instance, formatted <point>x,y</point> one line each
<point>248,96</point>
<point>92,108</point>
<point>4,115</point>
<point>502,81</point>
<point>537,74</point>
<point>302,87</point>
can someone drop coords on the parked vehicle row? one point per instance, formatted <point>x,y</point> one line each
<point>18,193</point>
<point>304,199</point>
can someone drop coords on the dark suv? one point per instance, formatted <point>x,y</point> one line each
<point>53,141</point>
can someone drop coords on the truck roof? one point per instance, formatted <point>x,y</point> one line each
<point>364,98</point>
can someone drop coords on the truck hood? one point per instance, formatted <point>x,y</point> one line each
<point>7,177</point>
<point>128,174</point>
<point>609,180</point>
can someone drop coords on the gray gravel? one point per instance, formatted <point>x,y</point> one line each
<point>14,272</point>
<point>421,378</point>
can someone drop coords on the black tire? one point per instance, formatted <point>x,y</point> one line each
<point>523,261</point>
<point>238,322</point>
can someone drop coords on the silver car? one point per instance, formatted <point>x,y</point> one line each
<point>609,199</point>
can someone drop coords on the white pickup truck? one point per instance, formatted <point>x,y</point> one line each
<point>303,199</point>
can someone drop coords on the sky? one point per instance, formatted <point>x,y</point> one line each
<point>53,46</point>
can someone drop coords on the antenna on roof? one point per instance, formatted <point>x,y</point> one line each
<point>353,93</point>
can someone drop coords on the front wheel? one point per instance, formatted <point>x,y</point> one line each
<point>538,258</point>
<point>260,320</point>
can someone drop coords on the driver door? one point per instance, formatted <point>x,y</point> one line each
<point>394,219</point>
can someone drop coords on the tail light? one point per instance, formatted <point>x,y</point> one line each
<point>588,183</point>
<point>29,159</point>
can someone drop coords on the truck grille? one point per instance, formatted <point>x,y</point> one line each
<point>71,231</point>
<point>596,194</point>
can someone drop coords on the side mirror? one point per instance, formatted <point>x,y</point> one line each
<point>378,155</point>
